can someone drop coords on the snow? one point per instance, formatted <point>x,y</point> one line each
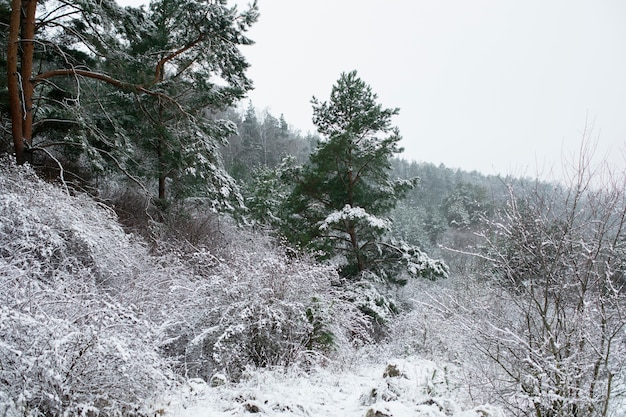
<point>86,313</point>
<point>349,213</point>
<point>85,310</point>
<point>423,389</point>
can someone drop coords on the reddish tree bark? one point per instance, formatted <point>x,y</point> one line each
<point>21,33</point>
<point>13,81</point>
<point>21,82</point>
<point>28,51</point>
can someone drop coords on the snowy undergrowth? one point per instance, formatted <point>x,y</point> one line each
<point>91,323</point>
<point>69,343</point>
<point>435,326</point>
<point>256,307</point>
<point>450,322</point>
<point>401,388</point>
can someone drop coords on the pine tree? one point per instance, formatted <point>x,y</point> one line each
<point>136,88</point>
<point>340,201</point>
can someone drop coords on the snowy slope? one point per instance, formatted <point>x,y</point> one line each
<point>422,388</point>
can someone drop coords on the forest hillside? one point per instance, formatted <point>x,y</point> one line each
<point>166,250</point>
<point>204,316</point>
<point>93,321</point>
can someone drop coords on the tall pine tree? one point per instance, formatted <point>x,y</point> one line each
<point>133,87</point>
<point>339,205</point>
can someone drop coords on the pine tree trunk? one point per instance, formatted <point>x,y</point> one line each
<point>162,168</point>
<point>355,247</point>
<point>161,187</point>
<point>21,105</point>
<point>28,52</point>
<point>13,80</point>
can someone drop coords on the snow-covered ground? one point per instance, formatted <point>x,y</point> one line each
<point>401,388</point>
<point>86,314</point>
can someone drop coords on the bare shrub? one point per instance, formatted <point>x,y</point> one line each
<point>252,305</point>
<point>540,328</point>
<point>69,345</point>
<point>133,206</point>
<point>559,256</point>
<point>178,226</point>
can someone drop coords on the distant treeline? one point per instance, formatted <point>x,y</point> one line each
<point>446,206</point>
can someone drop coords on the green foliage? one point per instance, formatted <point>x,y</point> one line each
<point>262,141</point>
<point>145,100</point>
<point>446,206</point>
<point>265,195</point>
<point>179,140</point>
<point>321,336</point>
<point>352,165</point>
<point>338,204</point>
<point>465,204</point>
<point>366,295</point>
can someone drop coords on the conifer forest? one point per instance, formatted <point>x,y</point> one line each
<point>167,248</point>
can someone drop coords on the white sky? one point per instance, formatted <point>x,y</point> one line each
<point>500,86</point>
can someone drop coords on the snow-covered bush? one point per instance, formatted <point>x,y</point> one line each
<point>92,322</point>
<point>68,344</point>
<point>258,310</point>
<point>558,256</point>
<point>445,323</point>
<point>55,366</point>
<point>368,297</point>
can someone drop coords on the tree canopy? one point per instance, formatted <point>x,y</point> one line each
<point>343,193</point>
<point>133,88</point>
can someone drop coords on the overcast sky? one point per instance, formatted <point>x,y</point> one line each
<point>498,86</point>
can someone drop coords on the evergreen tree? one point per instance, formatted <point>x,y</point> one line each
<point>181,138</point>
<point>250,133</point>
<point>265,193</point>
<point>283,126</point>
<point>273,141</point>
<point>133,87</point>
<point>344,192</point>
